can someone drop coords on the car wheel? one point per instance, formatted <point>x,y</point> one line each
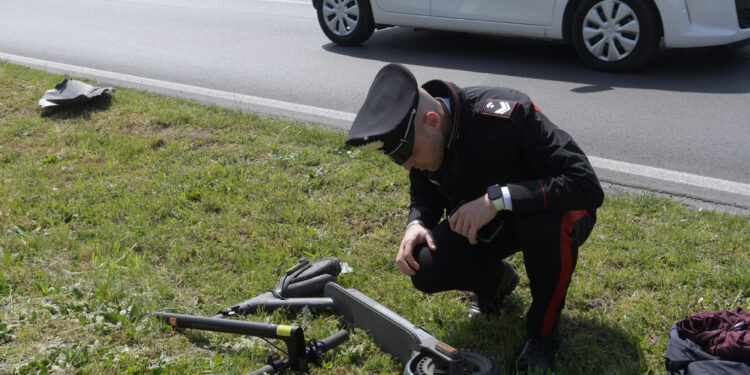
<point>346,22</point>
<point>615,35</point>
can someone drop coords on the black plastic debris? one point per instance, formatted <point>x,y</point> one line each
<point>71,92</point>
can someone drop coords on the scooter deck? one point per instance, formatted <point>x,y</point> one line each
<point>393,333</point>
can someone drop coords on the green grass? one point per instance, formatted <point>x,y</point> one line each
<point>141,202</point>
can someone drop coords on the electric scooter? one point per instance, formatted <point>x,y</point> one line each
<point>421,352</point>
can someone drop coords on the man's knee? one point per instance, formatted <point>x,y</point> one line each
<point>422,284</point>
<point>424,280</point>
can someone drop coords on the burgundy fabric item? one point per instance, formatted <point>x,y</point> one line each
<point>725,334</point>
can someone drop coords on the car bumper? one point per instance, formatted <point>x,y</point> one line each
<point>703,23</point>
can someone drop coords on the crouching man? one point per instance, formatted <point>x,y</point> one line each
<point>509,179</point>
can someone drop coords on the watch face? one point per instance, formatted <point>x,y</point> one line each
<point>494,192</point>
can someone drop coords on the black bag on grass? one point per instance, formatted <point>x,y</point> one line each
<point>685,357</point>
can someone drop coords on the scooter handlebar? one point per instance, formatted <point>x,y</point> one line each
<point>334,340</point>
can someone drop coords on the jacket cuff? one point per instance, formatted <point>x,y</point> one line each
<point>412,223</point>
<point>528,196</point>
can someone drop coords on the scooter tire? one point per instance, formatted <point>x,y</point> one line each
<point>474,364</point>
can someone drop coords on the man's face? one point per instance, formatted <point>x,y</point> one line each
<point>429,148</point>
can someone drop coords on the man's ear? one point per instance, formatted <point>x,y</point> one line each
<point>432,120</point>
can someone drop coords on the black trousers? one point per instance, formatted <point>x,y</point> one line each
<point>549,241</point>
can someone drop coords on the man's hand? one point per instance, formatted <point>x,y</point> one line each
<point>415,235</point>
<point>471,216</point>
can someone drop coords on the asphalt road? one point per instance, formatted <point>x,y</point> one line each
<point>680,125</point>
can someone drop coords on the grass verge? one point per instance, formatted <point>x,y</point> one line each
<point>140,202</point>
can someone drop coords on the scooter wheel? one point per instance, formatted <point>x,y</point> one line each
<point>474,364</point>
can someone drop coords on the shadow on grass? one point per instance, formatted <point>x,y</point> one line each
<point>588,347</point>
<point>82,111</point>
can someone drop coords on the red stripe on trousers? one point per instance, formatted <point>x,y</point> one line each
<point>566,267</point>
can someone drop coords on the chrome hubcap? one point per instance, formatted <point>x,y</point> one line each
<point>610,30</point>
<point>341,16</point>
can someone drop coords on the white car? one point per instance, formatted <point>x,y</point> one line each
<point>614,35</point>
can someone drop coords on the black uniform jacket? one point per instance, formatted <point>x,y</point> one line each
<point>500,137</point>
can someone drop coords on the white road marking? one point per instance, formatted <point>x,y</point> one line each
<point>286,107</point>
<point>672,176</point>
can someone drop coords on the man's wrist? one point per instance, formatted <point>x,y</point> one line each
<point>496,194</point>
<point>413,223</point>
<point>499,196</point>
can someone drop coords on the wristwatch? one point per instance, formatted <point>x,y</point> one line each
<point>495,194</point>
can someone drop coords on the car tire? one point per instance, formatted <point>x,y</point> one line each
<point>346,22</point>
<point>615,35</point>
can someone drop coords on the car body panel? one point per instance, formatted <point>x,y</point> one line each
<point>420,7</point>
<point>700,23</point>
<point>686,23</point>
<point>530,12</point>
<point>458,24</point>
<point>555,29</point>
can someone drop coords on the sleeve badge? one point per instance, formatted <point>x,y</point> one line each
<point>498,108</point>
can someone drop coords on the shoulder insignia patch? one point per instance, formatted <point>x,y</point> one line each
<point>499,108</point>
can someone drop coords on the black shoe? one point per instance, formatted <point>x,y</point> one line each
<point>490,304</point>
<point>538,355</point>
